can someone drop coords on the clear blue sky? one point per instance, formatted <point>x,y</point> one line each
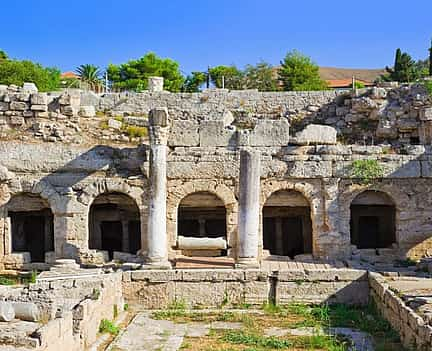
<point>197,33</point>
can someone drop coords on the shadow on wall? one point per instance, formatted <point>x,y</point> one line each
<point>85,176</point>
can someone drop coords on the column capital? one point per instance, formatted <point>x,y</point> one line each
<point>159,126</point>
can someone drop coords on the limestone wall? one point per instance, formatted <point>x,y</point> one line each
<point>412,329</point>
<point>398,115</point>
<point>72,177</point>
<point>216,288</point>
<point>204,134</point>
<point>71,309</point>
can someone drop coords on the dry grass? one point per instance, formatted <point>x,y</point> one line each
<point>251,337</point>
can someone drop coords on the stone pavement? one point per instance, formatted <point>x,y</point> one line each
<point>147,334</point>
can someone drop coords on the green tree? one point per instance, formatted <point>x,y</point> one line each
<point>298,72</point>
<point>404,69</point>
<point>233,77</point>
<point>194,81</point>
<point>17,72</point>
<point>134,74</point>
<point>3,55</point>
<point>89,74</point>
<point>422,68</point>
<point>261,77</point>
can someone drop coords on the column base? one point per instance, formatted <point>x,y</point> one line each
<point>247,263</point>
<point>165,264</point>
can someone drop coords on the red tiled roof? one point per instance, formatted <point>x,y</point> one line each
<point>345,83</point>
<point>69,74</point>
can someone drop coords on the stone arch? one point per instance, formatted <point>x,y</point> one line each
<point>33,187</point>
<point>114,224</point>
<point>102,186</point>
<point>30,222</point>
<point>372,220</point>
<point>351,191</point>
<point>179,190</point>
<point>286,224</point>
<point>312,193</point>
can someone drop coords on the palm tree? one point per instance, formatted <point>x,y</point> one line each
<point>89,74</point>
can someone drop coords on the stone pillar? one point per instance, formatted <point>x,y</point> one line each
<point>155,83</point>
<point>248,219</point>
<point>157,242</point>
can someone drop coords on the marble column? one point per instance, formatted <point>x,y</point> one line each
<point>248,219</point>
<point>157,242</point>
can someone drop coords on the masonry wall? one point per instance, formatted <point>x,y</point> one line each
<point>205,133</point>
<point>413,330</point>
<point>73,177</point>
<point>210,288</point>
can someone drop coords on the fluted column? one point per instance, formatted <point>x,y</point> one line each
<point>248,220</point>
<point>157,224</point>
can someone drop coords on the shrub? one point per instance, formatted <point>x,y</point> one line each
<point>106,326</point>
<point>366,170</point>
<point>358,85</point>
<point>428,85</point>
<point>136,132</point>
<point>5,280</point>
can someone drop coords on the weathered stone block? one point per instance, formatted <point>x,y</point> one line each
<point>270,132</point>
<point>39,107</point>
<point>18,106</point>
<point>31,87</point>
<point>213,133</point>
<point>184,133</point>
<point>4,106</point>
<point>39,99</point>
<point>87,111</point>
<point>113,123</point>
<point>426,114</point>
<point>315,134</point>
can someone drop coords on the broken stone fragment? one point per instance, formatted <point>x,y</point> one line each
<point>39,99</point>
<point>87,111</point>
<point>113,123</point>
<point>7,312</point>
<point>191,243</point>
<point>31,87</point>
<point>315,134</point>
<point>5,175</point>
<point>26,311</point>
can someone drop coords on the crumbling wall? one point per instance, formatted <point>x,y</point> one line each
<point>413,330</point>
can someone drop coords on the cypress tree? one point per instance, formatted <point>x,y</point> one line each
<point>397,64</point>
<point>430,59</point>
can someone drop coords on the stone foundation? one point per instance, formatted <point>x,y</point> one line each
<point>213,288</point>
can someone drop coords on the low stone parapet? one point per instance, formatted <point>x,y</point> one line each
<point>413,330</point>
<point>214,288</point>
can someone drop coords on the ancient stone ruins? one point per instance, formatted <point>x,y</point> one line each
<point>261,184</point>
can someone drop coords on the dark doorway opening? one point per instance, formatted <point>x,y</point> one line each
<point>287,227</point>
<point>32,226</point>
<point>114,224</point>
<point>372,223</point>
<point>112,233</point>
<point>202,215</point>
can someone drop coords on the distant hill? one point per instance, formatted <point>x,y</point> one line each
<point>334,73</point>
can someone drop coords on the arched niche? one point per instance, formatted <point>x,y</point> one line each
<point>114,224</point>
<point>372,221</point>
<point>31,225</point>
<point>287,225</point>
